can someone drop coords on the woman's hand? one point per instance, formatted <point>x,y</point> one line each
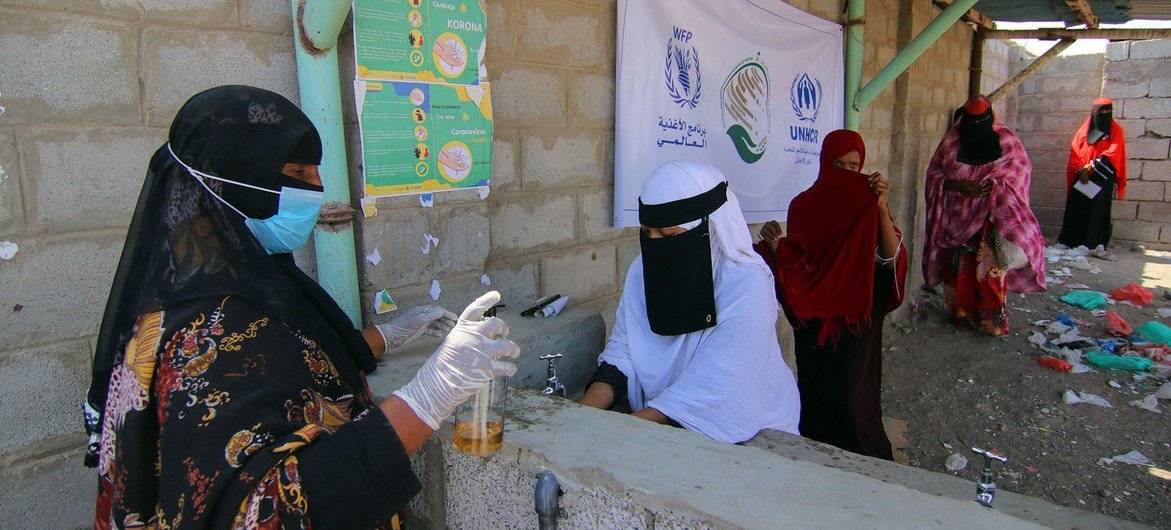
<point>771,233</point>
<point>881,188</point>
<point>1083,174</point>
<point>970,188</point>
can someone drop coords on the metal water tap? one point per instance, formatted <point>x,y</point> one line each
<point>986,488</point>
<point>552,385</point>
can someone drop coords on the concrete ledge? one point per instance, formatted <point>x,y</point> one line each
<point>618,471</point>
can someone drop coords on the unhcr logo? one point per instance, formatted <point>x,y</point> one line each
<point>682,69</point>
<point>744,109</point>
<point>805,95</point>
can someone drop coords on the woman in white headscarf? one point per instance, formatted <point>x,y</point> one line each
<point>694,340</point>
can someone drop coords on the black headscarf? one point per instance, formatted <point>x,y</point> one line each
<point>979,142</point>
<point>1101,120</point>
<point>184,244</point>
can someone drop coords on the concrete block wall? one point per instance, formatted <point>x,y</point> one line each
<point>545,226</point>
<point>1054,102</point>
<point>1138,79</point>
<point>87,90</point>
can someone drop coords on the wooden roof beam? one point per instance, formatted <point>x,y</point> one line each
<point>1058,34</point>
<point>1084,11</point>
<point>972,16</point>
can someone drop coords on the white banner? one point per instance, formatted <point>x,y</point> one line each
<point>750,86</point>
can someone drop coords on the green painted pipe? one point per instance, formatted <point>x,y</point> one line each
<point>855,45</point>
<point>914,49</point>
<point>316,25</point>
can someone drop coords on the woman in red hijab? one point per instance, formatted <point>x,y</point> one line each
<point>840,270</point>
<point>1097,158</point>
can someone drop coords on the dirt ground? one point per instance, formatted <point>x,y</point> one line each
<point>956,389</point>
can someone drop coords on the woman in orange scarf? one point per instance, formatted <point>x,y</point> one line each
<point>1097,157</point>
<point>840,270</point>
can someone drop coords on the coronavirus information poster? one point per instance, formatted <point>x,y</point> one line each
<point>417,40</point>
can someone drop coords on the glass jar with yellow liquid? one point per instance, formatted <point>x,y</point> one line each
<point>479,421</point>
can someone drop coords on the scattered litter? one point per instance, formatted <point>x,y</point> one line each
<point>435,290</point>
<point>956,462</point>
<point>946,445</point>
<point>1164,392</point>
<point>485,280</point>
<point>1133,458</point>
<point>374,257</point>
<point>1114,383</point>
<point>1118,325</point>
<point>1057,328</point>
<point>1135,293</point>
<point>1081,286</point>
<point>554,308</point>
<point>1138,248</point>
<point>1055,363</point>
<point>369,208</point>
<point>1156,332</point>
<point>1110,361</point>
<point>483,192</point>
<point>1098,312</point>
<point>1038,338</point>
<point>1072,398</point>
<point>1150,403</point>
<point>1084,299</point>
<point>8,249</point>
<point>425,200</point>
<point>429,242</point>
<point>383,303</point>
<point>1164,312</point>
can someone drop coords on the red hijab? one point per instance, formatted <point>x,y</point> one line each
<point>1112,146</point>
<point>825,266</point>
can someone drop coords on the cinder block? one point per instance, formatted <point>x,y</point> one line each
<point>565,33</point>
<point>1136,230</point>
<point>1165,234</point>
<point>11,207</point>
<point>86,180</point>
<point>1134,69</point>
<point>1134,128</point>
<point>527,96</point>
<point>269,15</point>
<point>531,222</point>
<point>591,99</point>
<point>464,240</point>
<point>68,70</point>
<point>1137,88</point>
<point>1117,51</point>
<point>208,12</point>
<point>1148,148</point>
<point>628,249</point>
<point>1124,210</point>
<point>1145,191</point>
<point>398,236</point>
<point>1049,216</point>
<point>1148,108</point>
<point>505,162</point>
<point>1150,49</point>
<point>1077,83</point>
<point>176,66</point>
<point>53,492</point>
<point>1160,87</point>
<point>562,159</point>
<point>582,273</point>
<point>1053,198</point>
<point>517,282</point>
<point>502,29</point>
<point>122,10</point>
<point>60,287</point>
<point>1154,211</point>
<point>58,376</point>
<point>1158,127</point>
<point>596,209</point>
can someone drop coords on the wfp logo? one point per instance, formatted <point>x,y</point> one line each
<point>682,69</point>
<point>744,108</point>
<point>805,95</point>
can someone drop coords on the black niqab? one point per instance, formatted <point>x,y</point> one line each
<point>1101,119</point>
<point>184,244</point>
<point>979,142</point>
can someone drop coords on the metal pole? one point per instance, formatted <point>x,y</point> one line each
<point>316,25</point>
<point>914,49</point>
<point>1031,68</point>
<point>855,45</point>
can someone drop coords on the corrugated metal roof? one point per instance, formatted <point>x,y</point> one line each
<point>1108,11</point>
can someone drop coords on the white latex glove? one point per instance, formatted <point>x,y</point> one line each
<point>468,358</point>
<point>419,320</point>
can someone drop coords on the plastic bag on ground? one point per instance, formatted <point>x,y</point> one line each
<point>1102,359</point>
<point>1156,332</point>
<point>1118,325</point>
<point>1133,458</point>
<point>1084,299</point>
<point>1150,403</point>
<point>1135,293</point>
<point>1164,392</point>
<point>1072,398</point>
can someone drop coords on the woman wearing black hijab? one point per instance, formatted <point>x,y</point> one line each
<point>228,388</point>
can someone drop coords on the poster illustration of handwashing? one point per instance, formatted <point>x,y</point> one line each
<point>424,137</point>
<point>419,40</point>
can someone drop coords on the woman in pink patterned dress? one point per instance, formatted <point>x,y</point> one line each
<point>982,239</point>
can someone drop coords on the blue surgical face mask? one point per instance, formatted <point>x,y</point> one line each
<point>284,232</point>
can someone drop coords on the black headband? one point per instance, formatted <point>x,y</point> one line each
<point>675,213</point>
